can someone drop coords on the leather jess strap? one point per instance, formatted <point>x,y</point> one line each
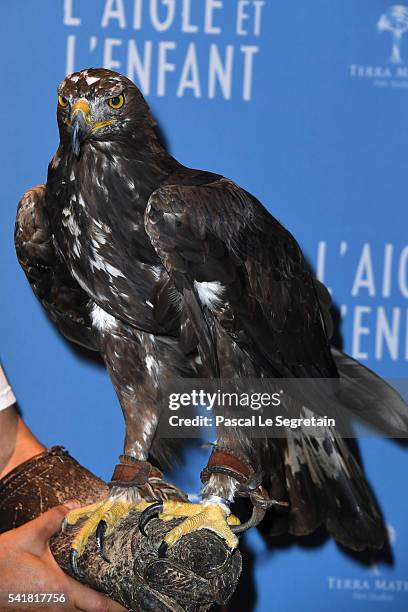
<point>225,462</point>
<point>147,478</point>
<point>135,473</point>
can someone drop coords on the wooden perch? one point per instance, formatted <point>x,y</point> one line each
<point>197,572</point>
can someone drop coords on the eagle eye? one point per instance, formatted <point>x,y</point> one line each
<point>117,101</point>
<point>63,102</point>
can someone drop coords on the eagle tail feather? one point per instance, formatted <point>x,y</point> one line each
<point>320,476</point>
<point>369,397</point>
<point>325,485</point>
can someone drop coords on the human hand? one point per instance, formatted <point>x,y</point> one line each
<point>27,566</point>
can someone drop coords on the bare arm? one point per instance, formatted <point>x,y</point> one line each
<point>17,443</point>
<point>26,562</point>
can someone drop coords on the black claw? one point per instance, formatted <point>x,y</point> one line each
<point>73,559</point>
<point>256,517</point>
<point>100,539</point>
<point>162,550</point>
<point>147,515</point>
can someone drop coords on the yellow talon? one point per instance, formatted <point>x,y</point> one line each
<point>199,516</point>
<point>110,511</point>
<point>89,527</point>
<point>75,515</point>
<point>233,520</point>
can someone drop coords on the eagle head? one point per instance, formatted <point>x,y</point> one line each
<point>98,104</point>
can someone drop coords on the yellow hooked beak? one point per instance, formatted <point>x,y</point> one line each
<point>83,107</point>
<point>82,124</point>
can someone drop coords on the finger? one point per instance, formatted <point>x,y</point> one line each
<point>37,532</point>
<point>85,599</point>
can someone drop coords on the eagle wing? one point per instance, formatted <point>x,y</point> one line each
<point>237,264</point>
<point>63,299</point>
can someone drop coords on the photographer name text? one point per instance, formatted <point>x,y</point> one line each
<point>254,420</point>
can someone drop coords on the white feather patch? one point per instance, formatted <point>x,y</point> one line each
<point>210,294</point>
<point>101,319</point>
<point>151,365</point>
<point>91,80</point>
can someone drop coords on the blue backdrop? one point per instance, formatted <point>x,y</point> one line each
<point>303,104</point>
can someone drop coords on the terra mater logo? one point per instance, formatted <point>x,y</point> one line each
<point>395,20</point>
<point>372,585</point>
<point>393,72</point>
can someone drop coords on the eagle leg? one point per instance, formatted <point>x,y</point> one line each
<point>229,474</point>
<point>135,361</point>
<point>207,515</point>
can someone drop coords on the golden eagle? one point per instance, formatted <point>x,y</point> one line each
<point>171,272</point>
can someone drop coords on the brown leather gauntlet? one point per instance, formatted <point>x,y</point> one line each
<point>42,482</point>
<point>198,571</point>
